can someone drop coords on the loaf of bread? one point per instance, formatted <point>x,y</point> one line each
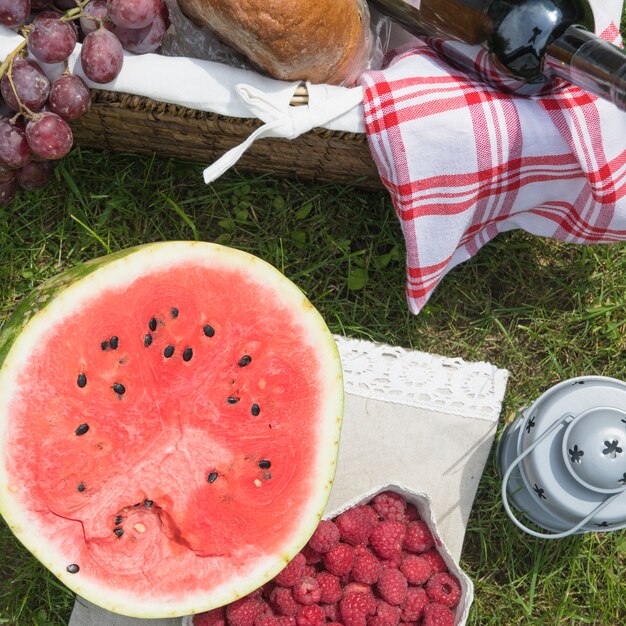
<point>322,41</point>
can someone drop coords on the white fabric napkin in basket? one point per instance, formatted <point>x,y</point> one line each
<point>422,420</point>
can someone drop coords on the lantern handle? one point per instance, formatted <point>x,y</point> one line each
<point>505,479</point>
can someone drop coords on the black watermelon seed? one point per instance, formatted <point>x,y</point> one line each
<point>73,568</point>
<point>232,400</point>
<point>255,409</point>
<point>148,503</point>
<point>209,331</point>
<point>244,360</point>
<point>264,464</point>
<point>81,487</point>
<point>104,345</point>
<point>82,429</point>
<point>119,389</point>
<point>118,531</point>
<point>167,353</point>
<point>212,477</point>
<point>152,324</point>
<point>114,342</point>
<point>81,381</point>
<point>118,520</point>
<point>187,354</point>
<point>147,340</point>
<point>174,312</point>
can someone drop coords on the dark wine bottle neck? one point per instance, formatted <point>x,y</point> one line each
<point>586,60</point>
<point>530,41</point>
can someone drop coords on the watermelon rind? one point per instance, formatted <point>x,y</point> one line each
<point>56,300</point>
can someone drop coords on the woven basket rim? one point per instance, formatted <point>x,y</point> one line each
<point>157,108</point>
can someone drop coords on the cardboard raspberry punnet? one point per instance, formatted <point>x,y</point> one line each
<point>423,504</point>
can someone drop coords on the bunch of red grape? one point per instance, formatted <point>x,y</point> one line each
<point>35,111</point>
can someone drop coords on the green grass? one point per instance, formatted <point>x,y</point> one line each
<point>544,310</point>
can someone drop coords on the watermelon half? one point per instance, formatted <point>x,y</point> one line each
<point>169,426</point>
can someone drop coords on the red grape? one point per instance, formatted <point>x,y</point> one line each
<point>7,191</point>
<point>101,56</point>
<point>14,149</point>
<point>143,40</point>
<point>47,13</point>
<point>35,5</point>
<point>51,40</point>
<point>49,136</point>
<point>69,97</point>
<point>14,12</point>
<point>133,13</point>
<point>7,173</point>
<point>34,174</point>
<point>95,8</point>
<point>31,85</point>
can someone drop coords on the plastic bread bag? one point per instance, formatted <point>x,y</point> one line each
<point>244,42</point>
<point>185,39</point>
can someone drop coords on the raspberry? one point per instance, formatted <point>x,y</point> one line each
<point>390,506</point>
<point>329,586</point>
<point>216,617</point>
<point>437,564</point>
<point>414,603</point>
<point>309,570</point>
<point>292,572</point>
<point>366,569</point>
<point>331,611</point>
<point>355,607</point>
<point>339,560</point>
<point>395,560</point>
<point>354,526</point>
<point>411,514</point>
<point>386,538</point>
<point>312,615</point>
<point>357,588</point>
<point>392,586</point>
<point>360,549</point>
<point>283,601</point>
<point>326,536</point>
<point>438,615</point>
<point>311,556</point>
<point>283,620</point>
<point>444,589</point>
<point>370,512</point>
<point>265,619</point>
<point>386,615</point>
<point>244,611</point>
<point>416,569</point>
<point>307,591</point>
<point>418,537</point>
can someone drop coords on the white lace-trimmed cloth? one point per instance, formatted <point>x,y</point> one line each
<point>464,162</point>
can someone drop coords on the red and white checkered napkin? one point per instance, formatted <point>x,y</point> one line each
<point>464,162</point>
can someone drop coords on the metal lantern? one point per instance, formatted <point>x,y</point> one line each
<point>563,459</point>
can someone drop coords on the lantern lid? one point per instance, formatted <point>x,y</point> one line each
<point>594,449</point>
<point>567,415</point>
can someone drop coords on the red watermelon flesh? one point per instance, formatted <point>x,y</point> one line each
<point>169,425</point>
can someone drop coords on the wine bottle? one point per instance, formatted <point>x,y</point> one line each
<point>534,45</point>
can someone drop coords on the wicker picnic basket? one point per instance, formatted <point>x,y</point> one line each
<point>121,122</point>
